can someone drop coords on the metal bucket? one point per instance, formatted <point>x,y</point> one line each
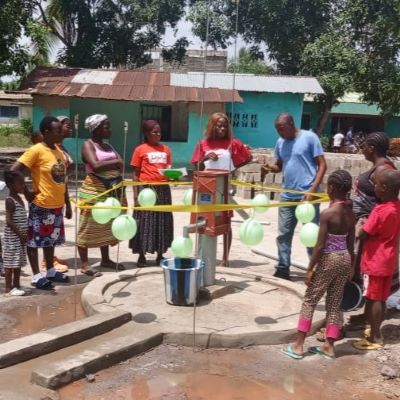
<point>182,279</point>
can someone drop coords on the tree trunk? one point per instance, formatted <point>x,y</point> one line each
<point>323,119</point>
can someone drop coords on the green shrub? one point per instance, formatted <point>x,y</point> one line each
<point>25,128</point>
<point>325,142</point>
<point>7,130</point>
<point>15,140</point>
<point>26,125</point>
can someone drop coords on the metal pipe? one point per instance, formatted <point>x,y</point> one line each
<point>274,257</point>
<point>237,220</point>
<point>191,228</point>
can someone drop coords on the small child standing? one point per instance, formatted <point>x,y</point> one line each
<point>381,233</point>
<point>15,233</point>
<point>332,259</point>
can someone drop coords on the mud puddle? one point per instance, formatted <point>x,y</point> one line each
<point>31,314</point>
<point>174,373</point>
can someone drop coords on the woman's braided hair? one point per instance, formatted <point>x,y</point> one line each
<point>340,180</point>
<point>380,141</point>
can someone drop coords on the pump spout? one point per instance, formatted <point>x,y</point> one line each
<point>191,228</point>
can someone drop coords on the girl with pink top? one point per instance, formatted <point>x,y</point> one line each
<point>329,269</point>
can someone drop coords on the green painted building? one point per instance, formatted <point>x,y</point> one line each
<point>181,102</point>
<point>350,112</point>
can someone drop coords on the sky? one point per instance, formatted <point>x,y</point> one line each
<point>184,29</point>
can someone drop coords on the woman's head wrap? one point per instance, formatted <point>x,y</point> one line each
<point>62,118</point>
<point>94,121</point>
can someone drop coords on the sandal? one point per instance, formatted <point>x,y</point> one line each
<point>58,277</point>
<point>112,265</point>
<point>365,344</point>
<point>321,353</point>
<point>142,264</point>
<point>43,284</point>
<point>289,352</point>
<point>91,272</point>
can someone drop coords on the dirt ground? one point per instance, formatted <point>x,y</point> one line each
<point>177,373</point>
<point>180,373</point>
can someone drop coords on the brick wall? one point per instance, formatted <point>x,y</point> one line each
<point>354,163</point>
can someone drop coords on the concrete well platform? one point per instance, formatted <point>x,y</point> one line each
<point>262,309</point>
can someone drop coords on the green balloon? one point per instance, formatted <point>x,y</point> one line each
<point>305,212</point>
<point>124,227</point>
<point>147,197</point>
<point>99,214</point>
<point>187,197</point>
<point>113,202</point>
<point>182,247</point>
<point>260,199</point>
<point>309,234</point>
<point>251,232</point>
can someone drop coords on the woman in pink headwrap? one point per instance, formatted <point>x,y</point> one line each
<point>155,229</point>
<point>103,166</point>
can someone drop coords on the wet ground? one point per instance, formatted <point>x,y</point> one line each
<point>30,314</point>
<point>176,373</point>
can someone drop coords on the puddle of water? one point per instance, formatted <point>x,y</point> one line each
<point>180,374</point>
<point>37,314</point>
<point>199,386</point>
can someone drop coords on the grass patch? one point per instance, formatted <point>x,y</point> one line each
<point>15,140</point>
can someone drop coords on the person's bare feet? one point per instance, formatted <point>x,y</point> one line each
<point>224,263</point>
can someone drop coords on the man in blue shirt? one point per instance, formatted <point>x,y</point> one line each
<point>299,155</point>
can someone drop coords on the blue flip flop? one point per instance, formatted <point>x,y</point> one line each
<point>59,277</point>
<point>289,352</point>
<point>44,284</point>
<point>317,350</point>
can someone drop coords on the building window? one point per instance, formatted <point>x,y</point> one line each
<point>243,120</point>
<point>253,121</point>
<point>9,112</point>
<point>306,121</point>
<point>173,120</point>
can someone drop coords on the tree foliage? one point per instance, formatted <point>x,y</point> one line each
<point>116,33</point>
<point>373,27</point>
<point>13,55</point>
<point>335,62</point>
<point>249,63</point>
<point>212,21</point>
<point>346,44</point>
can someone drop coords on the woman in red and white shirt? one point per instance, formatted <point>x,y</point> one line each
<point>155,229</point>
<point>219,150</point>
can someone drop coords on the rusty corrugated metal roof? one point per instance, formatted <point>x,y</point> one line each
<point>128,85</point>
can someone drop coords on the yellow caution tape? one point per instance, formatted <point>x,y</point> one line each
<point>200,208</point>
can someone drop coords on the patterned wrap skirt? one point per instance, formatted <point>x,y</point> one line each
<point>90,233</point>
<point>45,227</point>
<point>155,229</point>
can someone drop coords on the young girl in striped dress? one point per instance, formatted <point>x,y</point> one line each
<point>15,233</point>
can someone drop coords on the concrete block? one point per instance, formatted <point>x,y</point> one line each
<point>278,179</point>
<point>216,291</point>
<point>38,344</point>
<point>269,178</point>
<point>246,194</point>
<point>251,167</point>
<point>93,359</point>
